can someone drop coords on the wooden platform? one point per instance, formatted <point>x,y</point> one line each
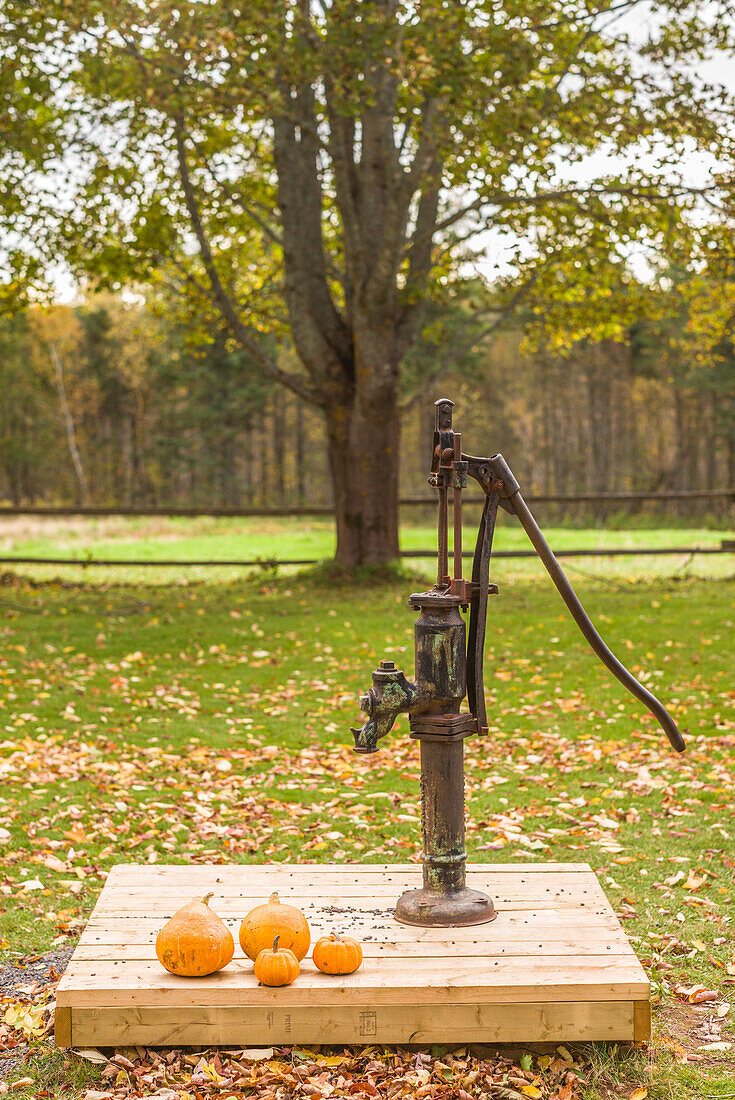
<point>554,966</point>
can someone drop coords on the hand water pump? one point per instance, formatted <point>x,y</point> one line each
<point>449,666</point>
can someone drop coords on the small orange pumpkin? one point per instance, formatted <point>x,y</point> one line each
<point>276,965</point>
<point>275,919</point>
<point>195,941</point>
<point>336,954</point>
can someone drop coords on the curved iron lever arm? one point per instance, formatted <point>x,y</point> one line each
<point>484,470</point>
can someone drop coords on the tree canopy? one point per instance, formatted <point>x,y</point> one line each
<point>325,174</point>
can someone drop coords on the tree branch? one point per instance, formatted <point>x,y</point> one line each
<point>227,191</point>
<point>219,295</point>
<point>319,330</point>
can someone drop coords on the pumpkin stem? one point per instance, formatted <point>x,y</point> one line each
<point>275,944</point>
<point>336,937</point>
<point>207,899</point>
<point>274,898</point>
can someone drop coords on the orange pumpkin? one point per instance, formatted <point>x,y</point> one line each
<point>275,919</point>
<point>195,942</point>
<point>276,965</point>
<point>337,954</point>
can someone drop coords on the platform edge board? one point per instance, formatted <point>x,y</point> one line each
<point>62,1026</point>
<point>546,1021</point>
<point>642,1021</point>
<point>591,992</point>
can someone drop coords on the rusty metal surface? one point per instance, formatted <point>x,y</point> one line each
<point>444,899</point>
<point>449,666</point>
<point>390,695</point>
<point>478,608</point>
<point>593,638</point>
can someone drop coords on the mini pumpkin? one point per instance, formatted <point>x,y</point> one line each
<point>195,941</point>
<point>336,954</point>
<point>275,919</point>
<point>276,965</point>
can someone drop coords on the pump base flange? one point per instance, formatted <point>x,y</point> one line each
<point>456,909</point>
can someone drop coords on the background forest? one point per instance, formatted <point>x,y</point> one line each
<point>115,402</point>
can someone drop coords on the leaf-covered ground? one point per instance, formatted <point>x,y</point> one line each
<point>209,723</point>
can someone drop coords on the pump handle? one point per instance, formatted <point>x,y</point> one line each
<point>487,470</point>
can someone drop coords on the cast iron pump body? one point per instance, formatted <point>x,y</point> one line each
<point>449,666</point>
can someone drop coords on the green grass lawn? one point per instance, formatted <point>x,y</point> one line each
<point>210,722</point>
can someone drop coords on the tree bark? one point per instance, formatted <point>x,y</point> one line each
<point>300,452</point>
<point>363,458</point>
<point>278,441</point>
<point>363,434</point>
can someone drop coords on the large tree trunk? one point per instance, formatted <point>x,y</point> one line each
<point>363,437</point>
<point>363,459</point>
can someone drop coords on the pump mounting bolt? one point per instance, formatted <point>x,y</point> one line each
<point>387,666</point>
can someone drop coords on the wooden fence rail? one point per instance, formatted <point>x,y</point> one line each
<point>327,509</point>
<point>727,546</point>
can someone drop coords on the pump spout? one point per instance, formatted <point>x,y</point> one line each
<point>391,694</point>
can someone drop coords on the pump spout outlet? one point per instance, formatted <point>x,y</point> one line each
<point>391,694</point>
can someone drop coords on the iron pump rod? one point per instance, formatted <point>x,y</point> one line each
<point>449,667</point>
<point>499,469</point>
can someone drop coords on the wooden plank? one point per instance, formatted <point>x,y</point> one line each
<point>201,1025</point>
<point>523,924</point>
<point>381,891</point>
<point>436,949</point>
<point>231,877</point>
<point>382,981</point>
<point>62,1026</point>
<point>641,1021</point>
<point>335,910</point>
<point>549,867</point>
<point>380,886</point>
<point>204,873</point>
<point>372,902</point>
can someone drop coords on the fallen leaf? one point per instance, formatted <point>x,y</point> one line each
<point>32,884</point>
<point>695,994</point>
<point>94,1056</point>
<point>257,1054</point>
